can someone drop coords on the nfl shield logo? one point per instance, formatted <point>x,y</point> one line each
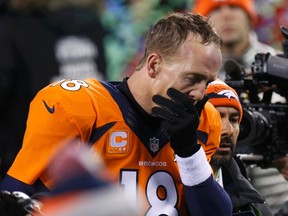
<point>154,144</point>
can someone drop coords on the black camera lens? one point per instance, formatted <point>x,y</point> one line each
<point>245,127</point>
<point>254,128</point>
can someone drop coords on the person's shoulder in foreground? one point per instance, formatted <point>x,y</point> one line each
<point>131,124</point>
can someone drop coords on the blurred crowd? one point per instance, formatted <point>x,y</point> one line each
<point>127,20</point>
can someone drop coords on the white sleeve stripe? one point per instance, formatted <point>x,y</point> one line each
<point>194,169</point>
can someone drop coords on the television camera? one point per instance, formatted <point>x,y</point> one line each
<point>264,126</point>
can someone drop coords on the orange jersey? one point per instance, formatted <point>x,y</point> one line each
<point>98,114</point>
<point>138,158</point>
<point>209,129</point>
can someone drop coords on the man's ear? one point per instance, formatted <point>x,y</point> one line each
<point>153,62</point>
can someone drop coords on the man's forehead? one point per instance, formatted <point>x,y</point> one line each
<point>228,109</point>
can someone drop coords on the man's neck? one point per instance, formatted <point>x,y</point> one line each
<point>140,92</point>
<point>215,169</point>
<point>236,49</point>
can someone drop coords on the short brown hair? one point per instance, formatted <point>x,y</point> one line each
<point>169,33</point>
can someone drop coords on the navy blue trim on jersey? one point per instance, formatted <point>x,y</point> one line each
<point>202,136</point>
<point>82,182</point>
<point>208,199</point>
<point>11,184</point>
<point>97,133</point>
<point>135,122</point>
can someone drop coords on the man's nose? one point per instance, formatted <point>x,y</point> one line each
<point>198,92</point>
<point>227,127</point>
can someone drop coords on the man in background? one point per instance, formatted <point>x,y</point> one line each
<point>228,169</point>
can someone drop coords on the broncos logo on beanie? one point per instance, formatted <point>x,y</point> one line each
<point>220,94</point>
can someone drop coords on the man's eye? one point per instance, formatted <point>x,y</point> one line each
<point>190,80</point>
<point>234,120</point>
<point>195,79</point>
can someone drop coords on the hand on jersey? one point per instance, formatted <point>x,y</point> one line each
<point>180,119</point>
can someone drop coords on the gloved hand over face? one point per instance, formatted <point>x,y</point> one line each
<point>180,119</point>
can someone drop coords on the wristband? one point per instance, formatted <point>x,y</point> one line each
<point>194,169</point>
